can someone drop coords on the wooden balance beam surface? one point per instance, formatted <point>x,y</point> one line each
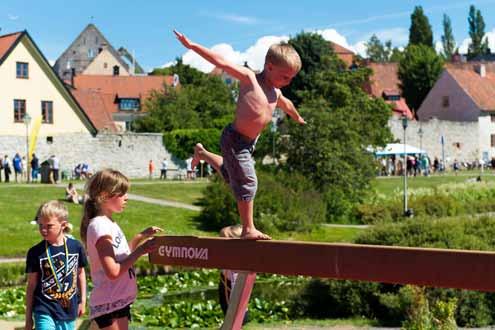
<point>460,269</point>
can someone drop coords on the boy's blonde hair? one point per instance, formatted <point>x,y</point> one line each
<point>284,55</point>
<point>103,185</point>
<point>54,209</point>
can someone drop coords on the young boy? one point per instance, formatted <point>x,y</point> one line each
<point>56,281</point>
<point>259,95</point>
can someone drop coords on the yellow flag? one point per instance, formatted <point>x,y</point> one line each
<point>33,137</point>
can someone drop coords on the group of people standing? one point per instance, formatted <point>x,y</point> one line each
<point>17,167</point>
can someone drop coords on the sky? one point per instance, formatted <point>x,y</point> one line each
<point>240,30</point>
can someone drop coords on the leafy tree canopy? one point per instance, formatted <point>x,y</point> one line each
<point>479,44</point>
<point>418,72</point>
<point>420,32</point>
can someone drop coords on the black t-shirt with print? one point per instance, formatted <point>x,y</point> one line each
<point>45,295</point>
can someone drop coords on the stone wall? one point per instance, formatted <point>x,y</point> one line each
<point>129,152</point>
<point>461,139</point>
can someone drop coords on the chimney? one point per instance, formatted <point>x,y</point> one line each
<point>72,75</point>
<point>480,69</point>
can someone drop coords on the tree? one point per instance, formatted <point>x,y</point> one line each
<point>420,32</point>
<point>312,48</point>
<point>187,74</point>
<point>448,41</point>
<point>342,121</point>
<point>377,51</point>
<point>479,44</point>
<point>418,72</point>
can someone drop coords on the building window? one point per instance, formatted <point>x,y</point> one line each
<point>116,70</point>
<point>493,140</point>
<point>19,110</point>
<point>47,112</point>
<point>22,70</point>
<point>91,53</point>
<point>49,139</point>
<point>129,104</point>
<point>445,101</point>
<point>105,65</point>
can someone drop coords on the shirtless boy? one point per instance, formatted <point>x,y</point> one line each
<point>259,95</point>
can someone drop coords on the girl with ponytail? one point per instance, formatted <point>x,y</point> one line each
<point>111,258</point>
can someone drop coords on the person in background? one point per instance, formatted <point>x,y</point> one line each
<point>163,169</point>
<point>151,168</point>
<point>35,168</point>
<point>17,164</point>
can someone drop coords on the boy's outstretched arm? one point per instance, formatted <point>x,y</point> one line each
<point>288,107</point>
<point>239,72</point>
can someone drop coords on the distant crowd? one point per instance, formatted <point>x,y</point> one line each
<point>423,165</point>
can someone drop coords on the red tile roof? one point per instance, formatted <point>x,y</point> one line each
<point>98,107</point>
<point>400,108</point>
<point>384,78</point>
<point>6,42</point>
<point>480,89</point>
<point>343,53</point>
<point>97,94</point>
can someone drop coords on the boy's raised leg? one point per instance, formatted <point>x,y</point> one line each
<point>249,231</point>
<point>200,153</point>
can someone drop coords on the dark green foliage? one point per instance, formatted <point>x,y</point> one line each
<point>181,142</point>
<point>433,205</point>
<point>207,106</point>
<point>12,274</point>
<point>314,52</point>
<point>418,72</point>
<point>479,42</point>
<point>448,41</point>
<point>420,32</point>
<point>283,203</point>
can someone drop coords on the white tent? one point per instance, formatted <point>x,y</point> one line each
<point>398,149</point>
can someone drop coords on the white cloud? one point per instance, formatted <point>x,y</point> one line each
<point>254,55</point>
<point>13,17</point>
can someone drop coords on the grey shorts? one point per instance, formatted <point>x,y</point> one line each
<point>238,164</point>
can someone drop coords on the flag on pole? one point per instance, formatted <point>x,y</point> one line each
<point>34,135</point>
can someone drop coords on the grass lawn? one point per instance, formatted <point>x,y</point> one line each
<point>392,185</point>
<point>19,205</point>
<point>186,192</point>
<point>20,202</point>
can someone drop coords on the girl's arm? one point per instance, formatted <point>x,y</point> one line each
<point>32,281</point>
<point>147,233</point>
<point>113,268</point>
<point>81,282</point>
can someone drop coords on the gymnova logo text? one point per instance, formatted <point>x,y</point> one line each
<point>183,252</point>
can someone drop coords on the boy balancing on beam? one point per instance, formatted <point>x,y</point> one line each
<point>259,95</point>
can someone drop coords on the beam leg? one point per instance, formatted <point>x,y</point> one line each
<point>239,300</point>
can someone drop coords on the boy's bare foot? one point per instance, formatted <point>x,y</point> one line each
<point>198,151</point>
<point>254,234</point>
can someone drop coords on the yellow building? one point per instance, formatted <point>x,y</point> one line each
<point>29,86</point>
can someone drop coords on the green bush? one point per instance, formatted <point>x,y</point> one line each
<point>283,203</point>
<point>12,274</point>
<point>181,142</point>
<point>442,201</point>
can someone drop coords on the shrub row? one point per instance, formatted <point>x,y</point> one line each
<point>283,203</point>
<point>445,200</point>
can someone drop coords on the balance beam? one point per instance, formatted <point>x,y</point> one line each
<point>473,270</point>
